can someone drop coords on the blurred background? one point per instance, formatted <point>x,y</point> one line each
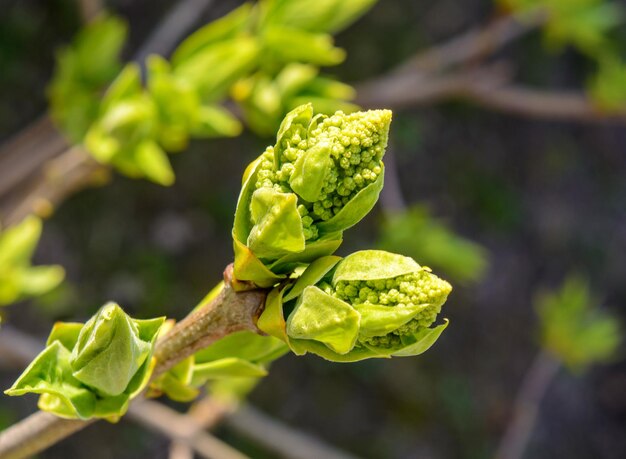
<point>521,212</point>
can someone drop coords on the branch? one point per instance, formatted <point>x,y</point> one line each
<point>471,46</point>
<point>536,382</point>
<point>182,429</point>
<point>229,312</point>
<point>281,438</point>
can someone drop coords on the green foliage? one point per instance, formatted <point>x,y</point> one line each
<point>270,49</point>
<point>371,304</point>
<point>608,87</point>
<point>92,370</point>
<point>237,360</point>
<point>83,70</point>
<point>323,176</point>
<point>266,99</point>
<point>416,233</point>
<point>18,278</point>
<point>583,24</point>
<point>573,329</point>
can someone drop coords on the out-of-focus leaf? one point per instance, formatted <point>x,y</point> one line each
<point>83,70</point>
<point>315,15</point>
<point>608,87</point>
<point>225,28</point>
<point>573,329</point>
<point>215,68</point>
<point>18,278</point>
<point>288,44</point>
<point>422,237</point>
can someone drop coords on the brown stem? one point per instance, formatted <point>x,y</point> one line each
<point>182,429</point>
<point>534,386</point>
<point>229,312</point>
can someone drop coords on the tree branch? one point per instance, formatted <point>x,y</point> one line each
<point>279,437</point>
<point>230,311</point>
<point>534,386</point>
<point>182,429</point>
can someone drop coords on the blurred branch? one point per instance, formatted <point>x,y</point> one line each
<point>470,46</point>
<point>279,437</point>
<point>169,31</point>
<point>17,349</point>
<point>183,429</point>
<point>534,386</point>
<point>89,9</point>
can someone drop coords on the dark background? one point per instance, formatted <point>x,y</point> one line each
<point>545,199</point>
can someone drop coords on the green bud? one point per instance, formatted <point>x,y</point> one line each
<point>92,370</point>
<point>109,351</point>
<point>370,304</point>
<point>323,176</point>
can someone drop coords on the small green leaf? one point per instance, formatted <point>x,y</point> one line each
<point>357,208</point>
<point>378,320</point>
<point>312,275</point>
<point>18,242</point>
<point>215,121</point>
<point>277,226</point>
<point>38,280</point>
<point>321,317</point>
<point>310,172</point>
<point>215,68</point>
<point>153,163</point>
<point>421,341</point>
<point>225,28</point>
<point>373,265</point>
<point>289,44</point>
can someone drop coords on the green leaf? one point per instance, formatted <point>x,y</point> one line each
<point>226,368</point>
<point>417,234</point>
<point>18,242</point>
<point>289,44</point>
<point>214,69</point>
<point>247,267</point>
<point>310,172</point>
<point>50,373</point>
<point>38,280</point>
<point>608,87</point>
<point>225,28</point>
<point>215,121</point>
<point>326,245</point>
<point>421,341</point>
<point>373,265</point>
<point>153,163</point>
<point>316,16</point>
<point>294,78</point>
<point>277,226</point>
<point>379,320</point>
<point>66,333</point>
<point>125,86</point>
<point>243,345</point>
<point>98,46</point>
<point>573,330</point>
<point>321,317</point>
<point>312,275</point>
<point>357,208</point>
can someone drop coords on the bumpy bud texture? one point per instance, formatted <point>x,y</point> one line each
<point>326,163</point>
<point>323,176</point>
<point>370,304</point>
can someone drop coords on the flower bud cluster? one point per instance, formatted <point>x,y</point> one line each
<point>421,288</point>
<point>357,143</point>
